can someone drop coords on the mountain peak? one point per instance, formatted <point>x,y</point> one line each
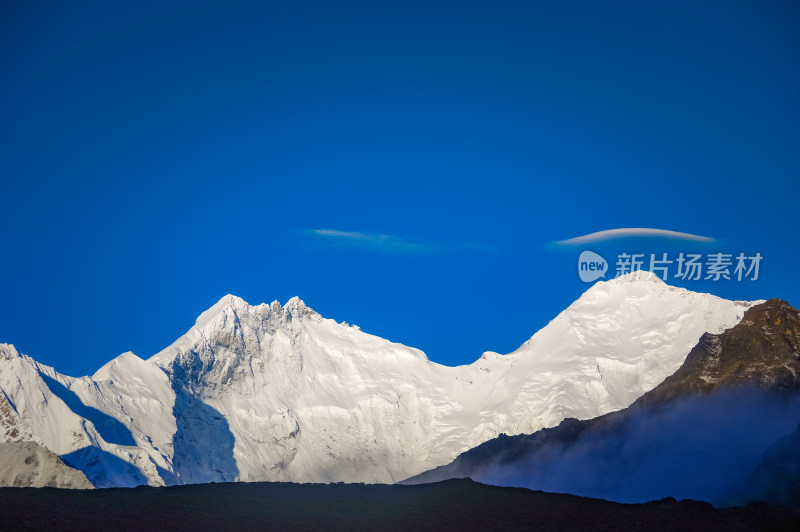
<point>232,301</point>
<point>228,301</point>
<point>122,363</point>
<point>8,351</point>
<point>642,283</point>
<point>640,276</point>
<point>295,302</point>
<point>296,307</point>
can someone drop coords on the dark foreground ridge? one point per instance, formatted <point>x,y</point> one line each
<point>454,504</point>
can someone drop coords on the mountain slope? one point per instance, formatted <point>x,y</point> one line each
<point>692,436</point>
<point>28,464</point>
<point>105,428</point>
<point>273,392</point>
<point>762,351</point>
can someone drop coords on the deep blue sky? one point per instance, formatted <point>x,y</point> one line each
<point>158,155</point>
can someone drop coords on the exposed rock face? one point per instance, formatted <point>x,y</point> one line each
<point>762,351</point>
<point>12,427</point>
<point>28,464</point>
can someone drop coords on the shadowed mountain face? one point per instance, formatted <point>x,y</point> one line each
<point>777,477</point>
<point>203,443</point>
<point>109,428</point>
<point>700,434</point>
<point>105,469</point>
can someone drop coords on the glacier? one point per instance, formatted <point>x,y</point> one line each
<point>279,393</point>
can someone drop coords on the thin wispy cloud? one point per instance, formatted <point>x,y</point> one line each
<point>612,234</point>
<point>370,240</point>
<point>390,243</point>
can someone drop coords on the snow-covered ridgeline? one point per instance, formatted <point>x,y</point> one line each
<point>273,392</point>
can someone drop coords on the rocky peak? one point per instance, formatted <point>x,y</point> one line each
<point>763,351</point>
<point>8,352</point>
<point>298,309</point>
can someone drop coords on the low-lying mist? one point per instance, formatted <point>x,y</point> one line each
<point>703,447</point>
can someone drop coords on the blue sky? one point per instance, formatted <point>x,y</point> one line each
<point>402,166</point>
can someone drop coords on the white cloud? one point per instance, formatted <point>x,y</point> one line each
<point>371,240</point>
<point>612,234</point>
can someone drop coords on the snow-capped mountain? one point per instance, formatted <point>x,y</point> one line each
<point>271,392</point>
<point>722,428</point>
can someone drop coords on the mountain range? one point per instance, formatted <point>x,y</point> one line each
<point>279,393</point>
